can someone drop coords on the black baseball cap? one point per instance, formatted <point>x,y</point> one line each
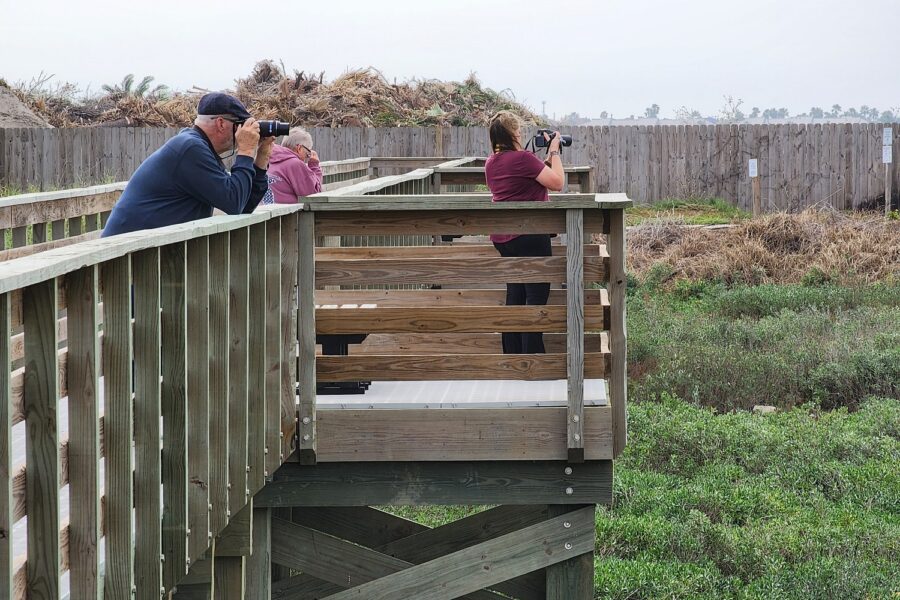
<point>217,103</point>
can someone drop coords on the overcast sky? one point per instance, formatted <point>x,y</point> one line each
<point>583,56</point>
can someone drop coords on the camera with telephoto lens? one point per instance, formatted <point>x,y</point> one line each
<point>540,142</point>
<point>274,128</point>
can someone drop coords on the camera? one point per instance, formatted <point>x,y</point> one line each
<point>540,142</point>
<point>276,128</point>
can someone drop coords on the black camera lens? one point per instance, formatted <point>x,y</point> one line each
<point>273,128</point>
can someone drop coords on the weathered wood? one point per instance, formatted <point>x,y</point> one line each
<point>436,367</point>
<point>290,264</point>
<point>273,377</point>
<point>118,419</point>
<point>147,433</point>
<point>575,327</point>
<point>256,349</point>
<point>447,319</point>
<point>236,538</point>
<point>487,563</point>
<point>417,222</point>
<point>308,373</point>
<point>571,579</point>
<point>198,417</point>
<point>443,251</point>
<point>35,248</point>
<point>411,344</point>
<point>228,581</point>
<point>219,342</point>
<point>84,433</point>
<point>6,458</point>
<point>259,564</point>
<point>618,375</point>
<point>438,271</point>
<point>174,412</point>
<point>434,298</point>
<point>334,560</point>
<point>237,369</point>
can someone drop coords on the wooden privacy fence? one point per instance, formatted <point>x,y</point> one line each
<point>181,336</point>
<point>799,165</point>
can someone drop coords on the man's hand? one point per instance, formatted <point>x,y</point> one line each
<point>247,138</point>
<point>264,152</point>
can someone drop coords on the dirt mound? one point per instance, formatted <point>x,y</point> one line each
<point>776,248</point>
<point>15,113</point>
<point>361,98</point>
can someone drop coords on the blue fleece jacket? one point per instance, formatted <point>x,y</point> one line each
<point>183,181</point>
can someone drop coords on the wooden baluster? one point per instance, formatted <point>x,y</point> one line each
<point>118,428</point>
<point>147,469</point>
<point>42,439</point>
<point>174,413</point>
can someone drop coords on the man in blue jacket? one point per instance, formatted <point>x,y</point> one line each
<point>186,179</point>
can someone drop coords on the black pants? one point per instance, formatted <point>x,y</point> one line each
<point>533,294</point>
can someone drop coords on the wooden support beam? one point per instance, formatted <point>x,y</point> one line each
<point>575,327</point>
<point>174,412</point>
<point>118,578</point>
<point>487,563</point>
<point>439,297</point>
<point>228,578</point>
<point>443,483</point>
<point>443,251</point>
<point>237,538</point>
<point>273,345</point>
<point>571,579</point>
<point>256,384</point>
<point>411,344</point>
<point>618,345</point>
<point>147,432</point>
<point>290,259</point>
<point>259,563</point>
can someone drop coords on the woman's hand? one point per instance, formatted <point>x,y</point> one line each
<point>555,141</point>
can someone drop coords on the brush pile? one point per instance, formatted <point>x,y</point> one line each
<point>361,98</point>
<point>777,248</point>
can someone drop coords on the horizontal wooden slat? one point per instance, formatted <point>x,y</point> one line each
<point>436,367</point>
<point>28,209</point>
<point>446,319</point>
<point>56,243</point>
<point>441,297</point>
<point>450,222</point>
<point>17,380</point>
<point>457,434</point>
<point>458,343</point>
<point>449,251</point>
<point>437,271</point>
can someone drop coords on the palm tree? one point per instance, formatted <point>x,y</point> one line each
<point>127,88</point>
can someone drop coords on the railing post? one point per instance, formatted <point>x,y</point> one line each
<point>575,333</point>
<point>197,292</point>
<point>219,338</point>
<point>148,468</point>
<point>6,474</point>
<point>237,371</point>
<point>307,310</point>
<point>174,413</point>
<point>118,577</point>
<point>618,380</point>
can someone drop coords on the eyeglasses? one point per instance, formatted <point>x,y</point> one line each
<point>308,150</point>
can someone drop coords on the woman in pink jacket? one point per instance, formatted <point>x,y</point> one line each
<point>293,169</point>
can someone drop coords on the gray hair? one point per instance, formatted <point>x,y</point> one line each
<point>298,136</point>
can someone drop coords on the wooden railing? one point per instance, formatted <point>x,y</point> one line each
<point>47,220</point>
<point>453,334</point>
<point>180,338</point>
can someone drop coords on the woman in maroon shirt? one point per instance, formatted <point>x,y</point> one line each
<point>516,174</point>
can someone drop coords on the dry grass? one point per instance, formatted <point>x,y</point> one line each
<point>361,98</point>
<point>776,248</point>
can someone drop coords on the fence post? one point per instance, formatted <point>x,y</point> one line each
<point>618,383</point>
<point>307,321</point>
<point>575,333</point>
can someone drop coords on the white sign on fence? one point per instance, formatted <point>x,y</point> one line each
<point>887,155</point>
<point>753,168</point>
<point>887,136</point>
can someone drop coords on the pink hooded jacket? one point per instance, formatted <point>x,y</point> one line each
<point>290,177</point>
